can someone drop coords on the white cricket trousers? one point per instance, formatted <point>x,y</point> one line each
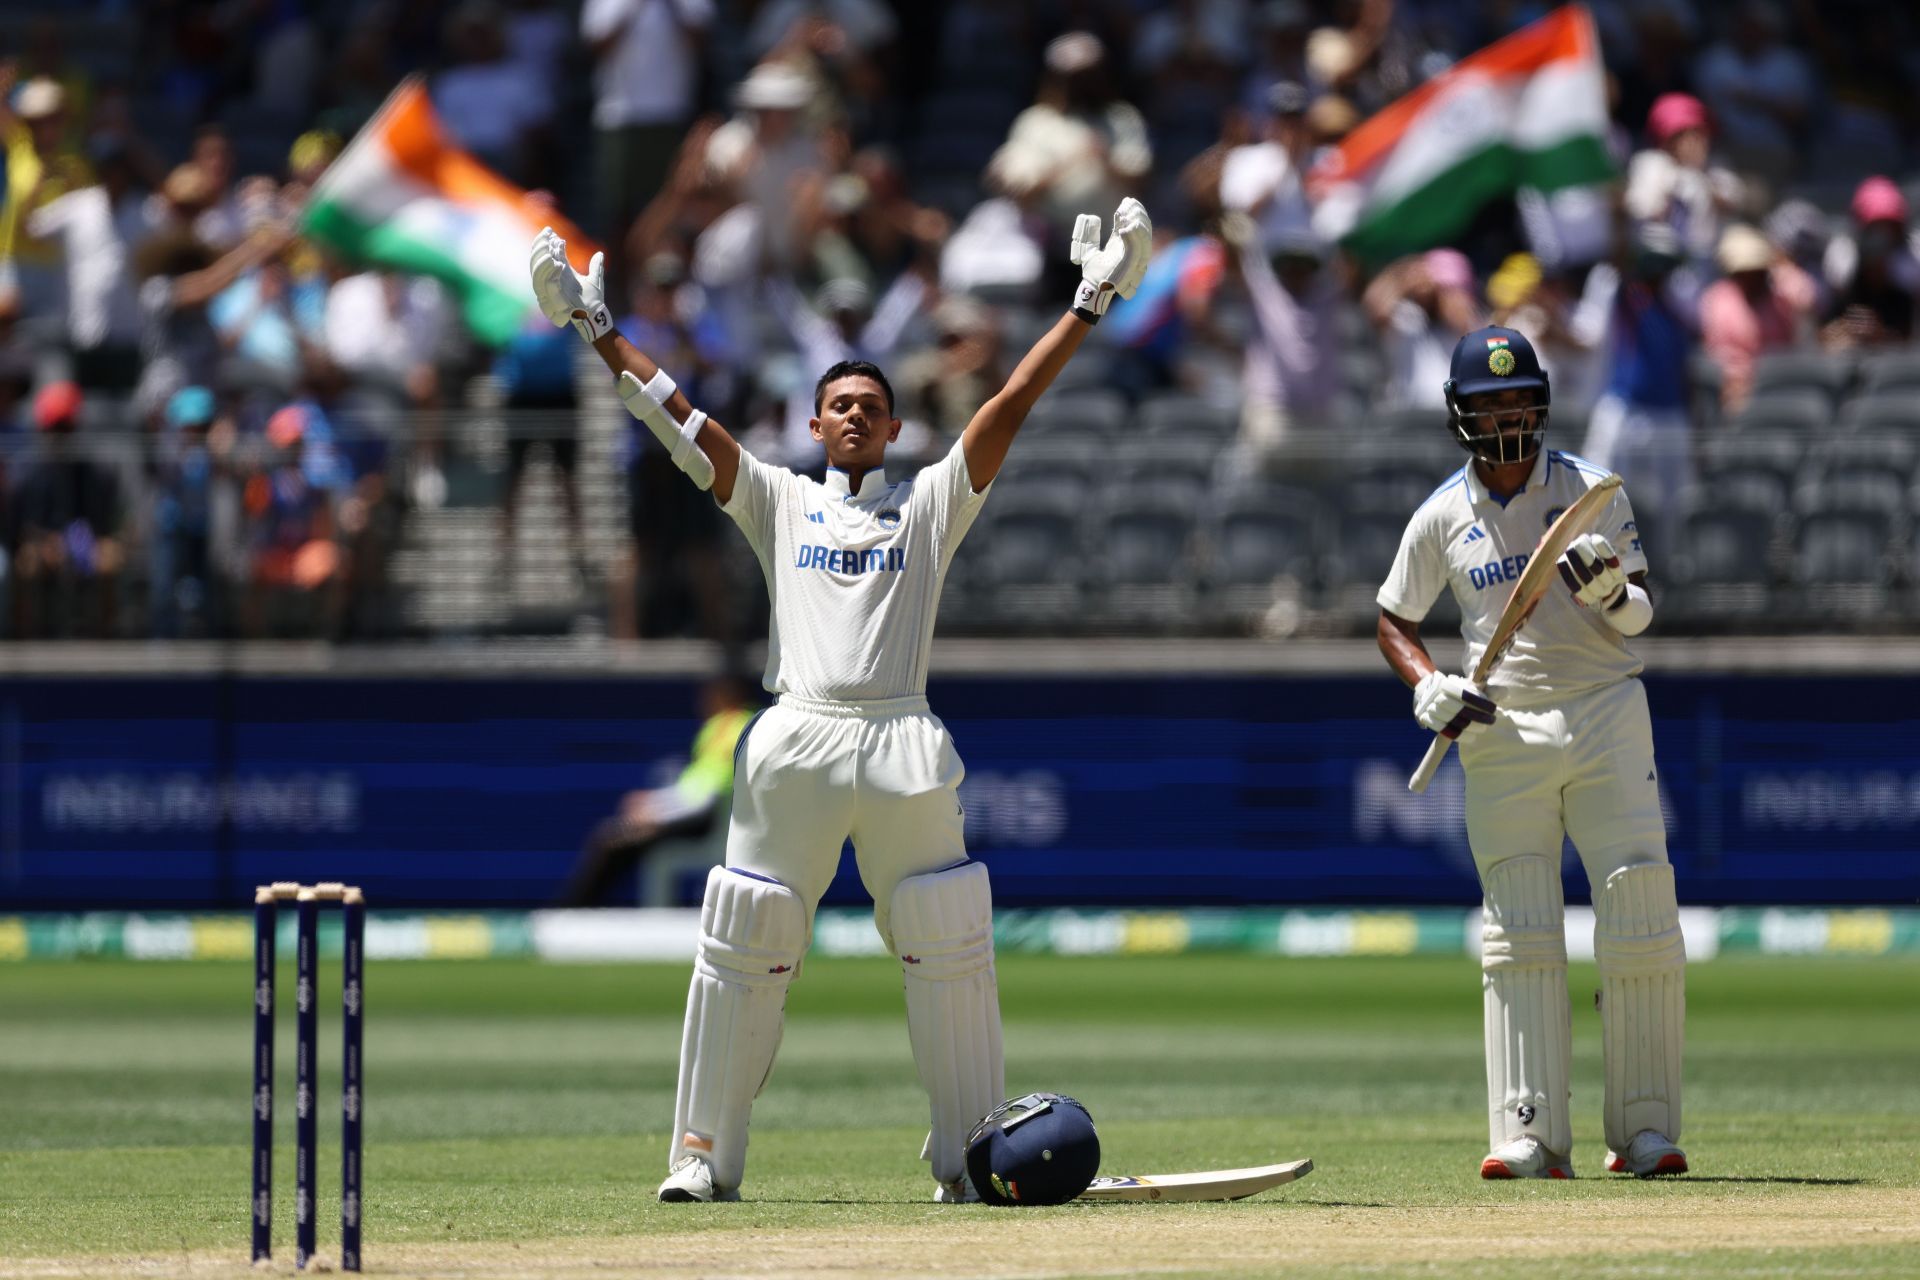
<point>810,774</point>
<point>1582,768</point>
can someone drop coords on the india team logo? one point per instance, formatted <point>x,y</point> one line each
<point>1499,357</point>
<point>889,519</point>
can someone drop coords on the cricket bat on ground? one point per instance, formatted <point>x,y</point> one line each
<point>1539,574</point>
<point>1219,1184</point>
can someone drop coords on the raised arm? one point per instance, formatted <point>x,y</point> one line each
<point>1105,272</point>
<point>699,446</point>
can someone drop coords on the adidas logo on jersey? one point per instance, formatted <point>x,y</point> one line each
<point>818,517</point>
<point>1473,535</point>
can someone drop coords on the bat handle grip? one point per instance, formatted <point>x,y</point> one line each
<point>1429,764</point>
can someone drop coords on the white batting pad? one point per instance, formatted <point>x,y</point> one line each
<point>1523,961</point>
<point>943,933</point>
<point>752,933</point>
<point>1643,1000</point>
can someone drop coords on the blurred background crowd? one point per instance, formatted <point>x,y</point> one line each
<point>210,426</point>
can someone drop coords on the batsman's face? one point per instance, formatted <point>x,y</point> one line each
<point>1507,412</point>
<point>855,424</point>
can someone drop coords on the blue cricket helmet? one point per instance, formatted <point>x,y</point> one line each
<point>1037,1149</point>
<point>1496,359</point>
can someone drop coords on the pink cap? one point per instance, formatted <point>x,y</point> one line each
<point>56,406</point>
<point>1674,113</point>
<point>1449,269</point>
<point>286,426</point>
<point>1878,200</point>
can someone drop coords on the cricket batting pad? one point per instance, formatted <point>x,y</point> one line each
<point>1523,961</point>
<point>943,933</point>
<point>752,933</point>
<point>1643,1000</point>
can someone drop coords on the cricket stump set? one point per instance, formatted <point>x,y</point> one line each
<point>308,900</point>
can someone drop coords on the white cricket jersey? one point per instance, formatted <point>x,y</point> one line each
<point>854,577</point>
<point>1466,538</point>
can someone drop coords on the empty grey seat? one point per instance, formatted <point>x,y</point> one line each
<point>1842,564</point>
<point>1891,371</point>
<point>1354,566</point>
<point>1143,559</point>
<point>1860,489</point>
<point>1032,574</point>
<point>1264,543</point>
<point>1825,372</point>
<point>1801,410</point>
<point>1094,412</point>
<point>1174,470</point>
<point>1893,411</point>
<point>1177,416</point>
<point>1721,565</point>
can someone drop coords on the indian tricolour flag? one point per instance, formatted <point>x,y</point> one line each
<point>403,196</point>
<point>1527,111</point>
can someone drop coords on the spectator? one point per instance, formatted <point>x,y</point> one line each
<point>269,325</point>
<point>1541,304</point>
<point>41,165</point>
<point>1873,272</point>
<point>297,586</point>
<point>1672,182</point>
<point>1281,28</point>
<point>1760,90</point>
<point>535,370</point>
<point>1763,304</point>
<point>1087,145</point>
<point>194,505</point>
<point>67,554</point>
<point>776,159</point>
<point>1640,427</point>
<point>384,331</point>
<point>1420,306</point>
<point>223,222</point>
<point>494,105</point>
<point>946,385</point>
<point>1171,309</point>
<point>1266,179</point>
<point>97,227</point>
<point>179,275</point>
<point>1291,375</point>
<point>646,64</point>
<point>1803,234</point>
<point>672,577</point>
<point>690,807</point>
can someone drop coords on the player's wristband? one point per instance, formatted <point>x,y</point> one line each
<point>1632,613</point>
<point>1087,301</point>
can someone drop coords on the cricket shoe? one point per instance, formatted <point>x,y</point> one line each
<point>1525,1157</point>
<point>1651,1154</point>
<point>692,1182</point>
<point>959,1191</point>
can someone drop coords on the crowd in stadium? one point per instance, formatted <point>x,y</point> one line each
<point>209,426</point>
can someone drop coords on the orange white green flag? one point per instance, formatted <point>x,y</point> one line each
<point>1529,110</point>
<point>404,197</point>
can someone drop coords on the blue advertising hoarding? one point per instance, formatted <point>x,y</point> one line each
<point>1145,790</point>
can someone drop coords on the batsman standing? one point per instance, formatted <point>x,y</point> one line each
<point>1559,745</point>
<point>854,568</point>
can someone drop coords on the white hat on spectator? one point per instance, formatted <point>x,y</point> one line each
<point>1074,51</point>
<point>1329,54</point>
<point>1742,248</point>
<point>774,86</point>
<point>39,98</point>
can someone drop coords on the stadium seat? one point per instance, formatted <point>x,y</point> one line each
<point>1894,411</point>
<point>1145,564</point>
<point>1387,487</point>
<point>1264,545</point>
<point>1891,371</point>
<point>1172,470</point>
<point>1722,563</point>
<point>1093,413</point>
<point>1842,563</point>
<point>1853,488</point>
<point>1178,416</point>
<point>1357,563</point>
<point>1829,373</point>
<point>1801,410</point>
<point>1033,575</point>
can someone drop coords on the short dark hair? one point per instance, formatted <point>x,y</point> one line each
<point>851,369</point>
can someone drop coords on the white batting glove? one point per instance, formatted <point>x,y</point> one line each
<point>1115,269</point>
<point>1450,706</point>
<point>566,296</point>
<point>1591,570</point>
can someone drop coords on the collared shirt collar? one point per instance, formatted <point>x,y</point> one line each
<point>1478,492</point>
<point>872,484</point>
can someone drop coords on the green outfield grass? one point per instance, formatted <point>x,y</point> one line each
<point>517,1113</point>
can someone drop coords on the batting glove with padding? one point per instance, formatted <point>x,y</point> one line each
<point>1116,268</point>
<point>566,296</point>
<point>1591,570</point>
<point>1450,706</point>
